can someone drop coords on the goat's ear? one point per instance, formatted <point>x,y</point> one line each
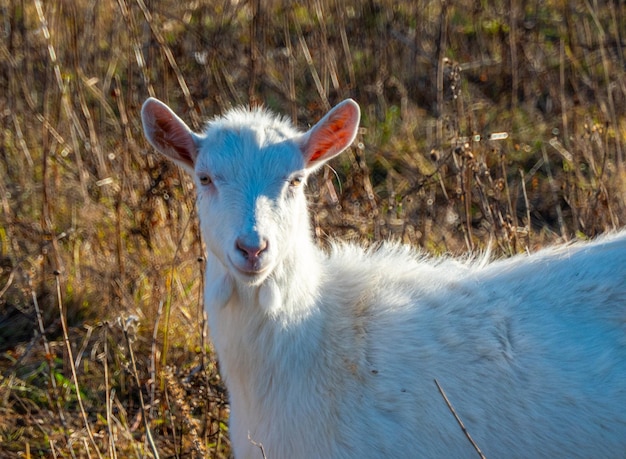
<point>332,134</point>
<point>168,133</point>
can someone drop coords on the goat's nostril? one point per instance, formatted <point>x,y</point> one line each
<point>251,251</point>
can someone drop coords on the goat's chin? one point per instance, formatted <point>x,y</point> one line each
<point>252,280</point>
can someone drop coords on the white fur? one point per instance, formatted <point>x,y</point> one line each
<point>335,355</point>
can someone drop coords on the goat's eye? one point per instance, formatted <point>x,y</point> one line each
<point>295,182</point>
<point>204,179</point>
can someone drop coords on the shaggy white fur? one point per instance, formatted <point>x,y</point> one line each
<point>335,354</point>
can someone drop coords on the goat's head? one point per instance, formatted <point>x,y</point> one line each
<point>249,168</point>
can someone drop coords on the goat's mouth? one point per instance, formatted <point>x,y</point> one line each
<point>251,271</point>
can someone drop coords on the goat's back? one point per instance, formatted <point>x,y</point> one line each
<point>530,350</point>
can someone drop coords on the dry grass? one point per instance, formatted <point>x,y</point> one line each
<point>102,331</point>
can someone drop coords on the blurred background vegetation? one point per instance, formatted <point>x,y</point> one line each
<point>485,124</point>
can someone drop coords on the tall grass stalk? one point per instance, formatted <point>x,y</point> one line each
<point>68,348</point>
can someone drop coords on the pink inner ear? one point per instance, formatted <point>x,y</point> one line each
<point>176,138</point>
<point>333,134</point>
<point>325,145</point>
<point>169,134</point>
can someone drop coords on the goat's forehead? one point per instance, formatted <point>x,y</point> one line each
<point>259,123</point>
<point>253,142</point>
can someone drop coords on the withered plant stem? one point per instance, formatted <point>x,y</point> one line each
<point>68,347</point>
<point>459,421</point>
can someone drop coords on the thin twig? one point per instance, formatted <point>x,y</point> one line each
<point>311,64</point>
<point>134,42</point>
<point>440,53</point>
<point>107,391</point>
<point>170,296</point>
<point>72,118</point>
<point>178,398</point>
<point>169,56</point>
<point>554,189</point>
<point>458,419</point>
<point>259,445</point>
<point>153,448</point>
<point>50,359</point>
<point>68,346</point>
<point>8,283</point>
<point>527,204</point>
<point>153,358</point>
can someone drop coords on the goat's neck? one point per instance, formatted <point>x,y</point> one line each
<point>262,332</point>
<point>282,302</point>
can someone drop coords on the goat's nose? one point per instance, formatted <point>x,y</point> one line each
<point>251,251</point>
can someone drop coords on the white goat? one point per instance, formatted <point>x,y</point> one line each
<point>335,355</point>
